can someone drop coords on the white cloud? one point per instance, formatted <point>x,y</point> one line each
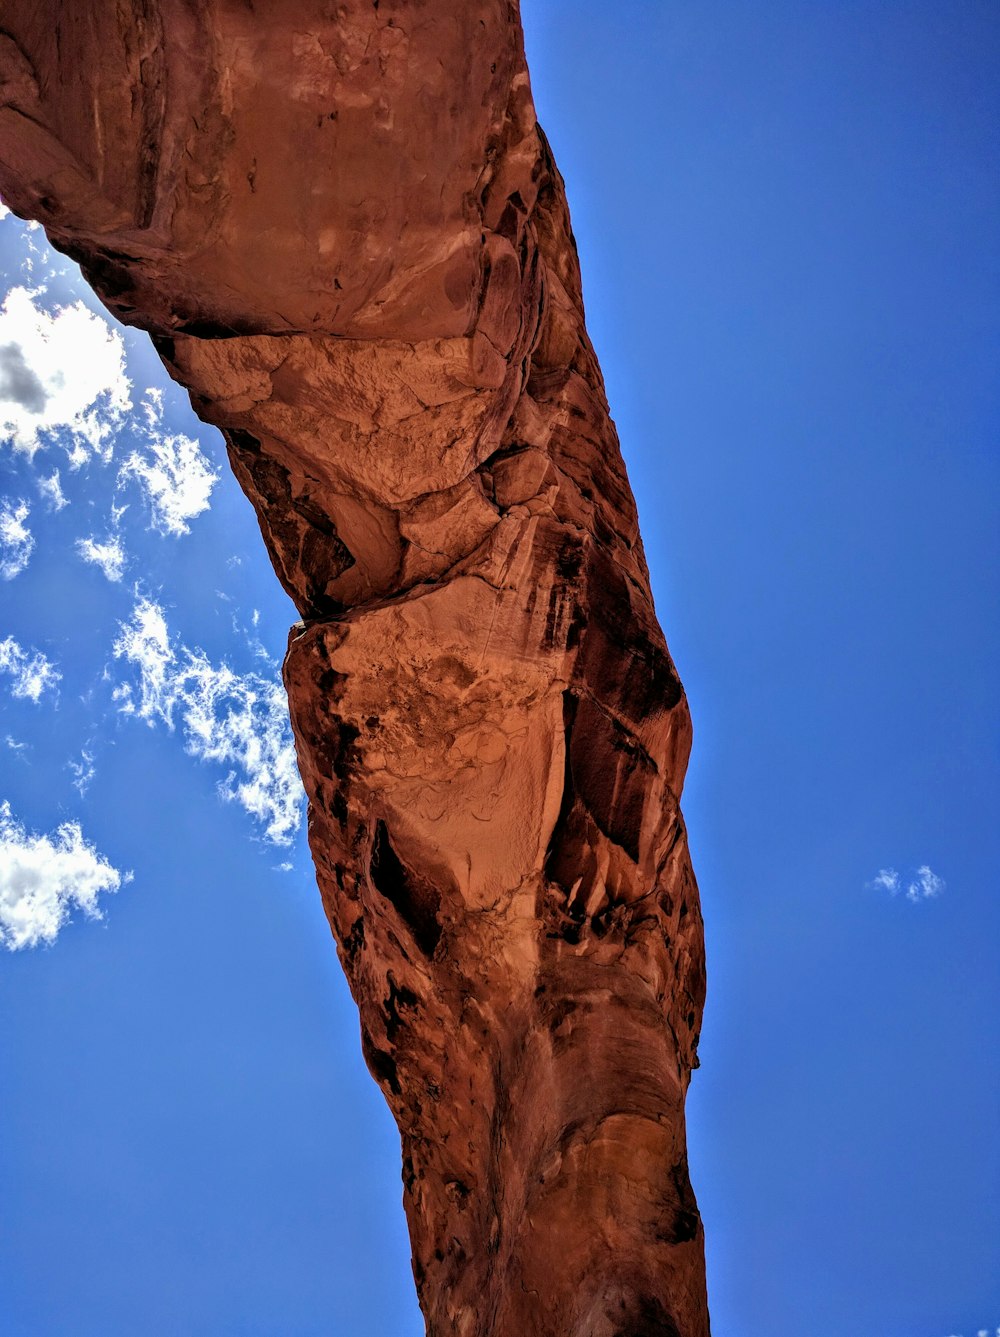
<point>60,372</point>
<point>51,491</point>
<point>237,721</point>
<point>252,642</point>
<point>43,876</point>
<point>175,474</point>
<point>886,879</point>
<point>109,556</point>
<point>152,407</point>
<point>16,540</point>
<point>145,642</point>
<point>83,771</point>
<point>925,886</point>
<point>32,673</point>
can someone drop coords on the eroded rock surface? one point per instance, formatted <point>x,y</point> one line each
<point>345,232</point>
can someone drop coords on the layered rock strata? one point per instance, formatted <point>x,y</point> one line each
<point>343,228</point>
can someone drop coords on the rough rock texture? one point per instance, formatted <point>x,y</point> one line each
<point>345,232</point>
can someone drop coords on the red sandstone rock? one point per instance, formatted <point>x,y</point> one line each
<point>345,231</point>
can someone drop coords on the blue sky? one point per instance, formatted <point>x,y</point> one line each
<point>787,223</point>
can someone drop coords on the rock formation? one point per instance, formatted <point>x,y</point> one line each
<point>343,228</point>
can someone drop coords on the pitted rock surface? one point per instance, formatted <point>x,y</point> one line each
<point>342,225</point>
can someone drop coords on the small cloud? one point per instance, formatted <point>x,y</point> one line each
<point>16,540</point>
<point>109,556</point>
<point>145,642</point>
<point>14,746</point>
<point>51,491</point>
<point>43,876</point>
<point>174,473</point>
<point>32,673</point>
<point>239,721</point>
<point>252,642</point>
<point>886,879</point>
<point>923,885</point>
<point>63,372</point>
<point>152,407</point>
<point>83,771</point>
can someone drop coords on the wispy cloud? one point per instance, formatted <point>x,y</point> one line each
<point>83,771</point>
<point>43,876</point>
<point>237,721</point>
<point>61,372</point>
<point>248,636</point>
<point>174,473</point>
<point>923,885</point>
<point>110,555</point>
<point>30,671</point>
<point>50,490</point>
<point>16,540</point>
<point>886,879</point>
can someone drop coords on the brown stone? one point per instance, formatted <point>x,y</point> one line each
<point>344,229</point>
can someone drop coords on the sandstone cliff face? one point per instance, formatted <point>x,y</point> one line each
<point>344,230</point>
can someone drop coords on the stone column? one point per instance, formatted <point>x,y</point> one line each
<point>344,230</point>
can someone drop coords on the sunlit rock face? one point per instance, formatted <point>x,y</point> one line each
<point>344,229</point>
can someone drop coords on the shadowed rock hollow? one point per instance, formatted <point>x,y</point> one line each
<point>343,228</point>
